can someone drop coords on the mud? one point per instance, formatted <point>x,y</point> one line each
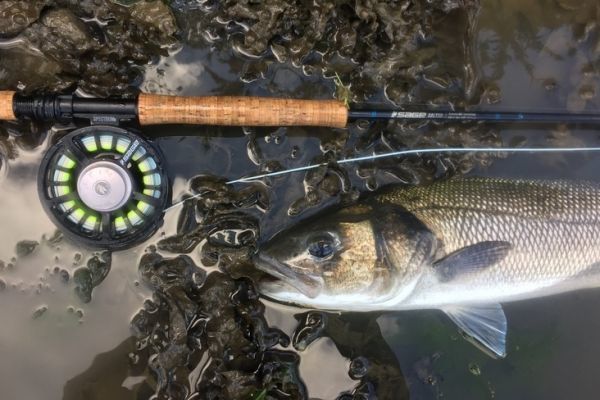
<point>97,47</point>
<point>206,336</point>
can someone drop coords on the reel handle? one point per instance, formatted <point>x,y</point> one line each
<point>240,111</point>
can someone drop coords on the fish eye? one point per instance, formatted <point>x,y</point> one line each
<point>321,246</point>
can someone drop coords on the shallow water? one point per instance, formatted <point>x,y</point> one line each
<point>518,55</point>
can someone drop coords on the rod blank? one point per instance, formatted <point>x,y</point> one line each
<point>486,116</point>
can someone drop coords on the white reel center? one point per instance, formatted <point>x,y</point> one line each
<point>104,186</point>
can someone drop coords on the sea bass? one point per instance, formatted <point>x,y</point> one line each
<point>462,246</point>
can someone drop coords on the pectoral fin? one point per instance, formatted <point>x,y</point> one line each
<point>471,259</point>
<point>485,323</point>
<point>591,271</point>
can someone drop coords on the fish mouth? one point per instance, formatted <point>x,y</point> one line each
<point>286,278</point>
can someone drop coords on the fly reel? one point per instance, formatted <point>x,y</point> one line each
<point>105,187</point>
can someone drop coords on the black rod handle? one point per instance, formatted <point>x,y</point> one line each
<point>65,108</point>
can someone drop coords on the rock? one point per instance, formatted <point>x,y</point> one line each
<point>26,247</point>
<point>15,16</point>
<point>88,277</point>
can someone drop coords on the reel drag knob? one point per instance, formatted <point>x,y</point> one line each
<point>104,187</point>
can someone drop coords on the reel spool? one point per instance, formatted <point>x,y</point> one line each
<point>104,187</point>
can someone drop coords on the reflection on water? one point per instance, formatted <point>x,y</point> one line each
<point>544,49</point>
<point>55,345</point>
<point>517,55</point>
<point>109,377</point>
<point>359,339</point>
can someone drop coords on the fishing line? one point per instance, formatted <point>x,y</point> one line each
<point>399,153</point>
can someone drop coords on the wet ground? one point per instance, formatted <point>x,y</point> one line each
<point>78,325</point>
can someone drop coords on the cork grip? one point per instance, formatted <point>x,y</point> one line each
<point>240,111</point>
<point>6,106</point>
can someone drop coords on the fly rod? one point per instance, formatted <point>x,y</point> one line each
<point>152,109</point>
<point>106,186</point>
